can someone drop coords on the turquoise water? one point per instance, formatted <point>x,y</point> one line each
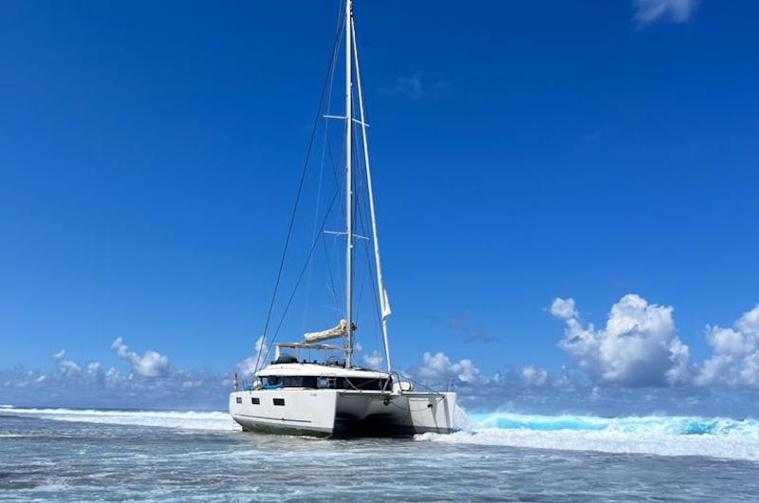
<point>80,455</point>
<point>676,426</point>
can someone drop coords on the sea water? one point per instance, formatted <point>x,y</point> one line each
<point>107,455</point>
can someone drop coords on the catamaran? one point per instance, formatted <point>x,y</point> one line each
<point>336,397</point>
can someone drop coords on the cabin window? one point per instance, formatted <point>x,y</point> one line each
<point>299,382</point>
<point>364,383</point>
<point>255,401</point>
<point>280,402</point>
<point>239,399</point>
<point>271,380</point>
<point>276,382</point>
<point>325,383</point>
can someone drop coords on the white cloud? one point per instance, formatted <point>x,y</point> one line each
<point>564,309</point>
<point>112,375</point>
<point>87,384</point>
<point>150,364</point>
<point>638,346</point>
<point>533,376</point>
<point>248,366</point>
<point>410,87</point>
<point>749,322</point>
<point>440,367</point>
<point>417,87</point>
<point>735,358</point>
<point>65,367</point>
<point>68,367</point>
<point>649,11</point>
<point>373,360</point>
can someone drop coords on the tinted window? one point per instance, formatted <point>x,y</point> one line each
<point>359,383</point>
<point>364,383</point>
<point>279,402</point>
<point>299,382</point>
<point>255,401</point>
<point>239,399</point>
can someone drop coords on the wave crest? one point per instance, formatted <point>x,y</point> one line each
<point>185,420</point>
<point>655,435</point>
<point>667,425</point>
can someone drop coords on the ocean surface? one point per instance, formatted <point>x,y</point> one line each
<point>107,455</point>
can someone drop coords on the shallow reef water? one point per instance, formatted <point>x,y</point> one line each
<point>107,455</point>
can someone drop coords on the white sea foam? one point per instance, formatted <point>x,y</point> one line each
<point>656,435</point>
<point>667,425</point>
<point>214,420</point>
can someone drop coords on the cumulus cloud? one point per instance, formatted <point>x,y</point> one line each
<point>248,366</point>
<point>649,11</point>
<point>64,366</point>
<point>78,384</point>
<point>564,309</point>
<point>635,362</point>
<point>69,367</point>
<point>373,360</point>
<point>638,346</point>
<point>735,358</point>
<point>439,367</point>
<point>533,376</point>
<point>149,364</point>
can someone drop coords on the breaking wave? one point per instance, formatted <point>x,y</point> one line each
<point>213,421</point>
<point>723,438</point>
<point>655,435</point>
<point>667,425</point>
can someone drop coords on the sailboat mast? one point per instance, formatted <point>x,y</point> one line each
<point>383,299</point>
<point>348,183</point>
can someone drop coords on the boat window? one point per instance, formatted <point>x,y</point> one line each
<point>313,382</point>
<point>325,383</point>
<point>271,382</point>
<point>239,399</point>
<point>279,402</point>
<point>365,383</point>
<point>255,401</point>
<point>299,382</point>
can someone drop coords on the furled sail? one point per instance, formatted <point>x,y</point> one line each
<point>385,304</point>
<point>340,330</point>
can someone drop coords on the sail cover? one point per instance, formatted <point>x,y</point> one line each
<point>340,330</point>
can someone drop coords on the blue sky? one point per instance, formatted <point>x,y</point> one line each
<point>523,152</point>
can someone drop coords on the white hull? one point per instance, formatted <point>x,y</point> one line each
<point>343,413</point>
<point>336,397</point>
